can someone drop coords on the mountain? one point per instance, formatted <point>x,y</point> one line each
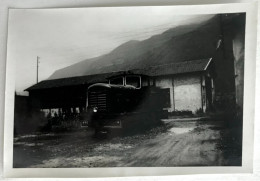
<point>182,43</point>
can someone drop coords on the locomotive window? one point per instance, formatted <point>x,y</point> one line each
<point>117,81</point>
<point>133,81</point>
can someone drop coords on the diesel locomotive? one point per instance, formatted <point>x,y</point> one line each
<point>128,102</point>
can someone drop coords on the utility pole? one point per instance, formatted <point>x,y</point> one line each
<point>37,71</point>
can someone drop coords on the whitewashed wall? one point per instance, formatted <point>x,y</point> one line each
<point>185,91</point>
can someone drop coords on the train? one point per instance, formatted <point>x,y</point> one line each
<point>128,103</point>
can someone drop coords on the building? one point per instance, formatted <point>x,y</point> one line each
<point>189,86</point>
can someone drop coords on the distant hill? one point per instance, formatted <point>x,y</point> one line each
<point>182,43</point>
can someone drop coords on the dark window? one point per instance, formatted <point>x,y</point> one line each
<point>165,98</point>
<point>133,81</point>
<point>117,81</point>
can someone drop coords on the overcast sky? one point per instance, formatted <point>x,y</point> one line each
<point>61,37</point>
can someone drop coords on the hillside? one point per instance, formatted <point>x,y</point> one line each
<point>183,43</point>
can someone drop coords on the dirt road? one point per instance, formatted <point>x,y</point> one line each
<point>175,143</point>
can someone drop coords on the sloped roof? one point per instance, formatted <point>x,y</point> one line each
<point>175,68</point>
<point>153,71</point>
<point>72,81</point>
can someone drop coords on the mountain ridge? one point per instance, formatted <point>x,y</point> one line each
<point>181,43</point>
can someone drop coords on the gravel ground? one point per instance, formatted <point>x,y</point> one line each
<point>174,143</point>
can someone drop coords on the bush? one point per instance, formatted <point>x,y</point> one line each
<point>199,112</point>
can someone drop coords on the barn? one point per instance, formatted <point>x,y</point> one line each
<point>198,65</point>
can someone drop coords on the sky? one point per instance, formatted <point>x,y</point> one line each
<point>62,37</point>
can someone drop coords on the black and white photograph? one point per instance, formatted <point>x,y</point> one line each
<point>126,87</point>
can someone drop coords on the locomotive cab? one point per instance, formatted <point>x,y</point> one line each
<point>127,81</point>
<point>116,96</point>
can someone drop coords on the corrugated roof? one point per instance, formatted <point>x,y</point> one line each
<point>167,69</point>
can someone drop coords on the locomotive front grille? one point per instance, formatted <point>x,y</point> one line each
<point>98,99</point>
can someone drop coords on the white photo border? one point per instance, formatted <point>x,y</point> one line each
<point>248,117</point>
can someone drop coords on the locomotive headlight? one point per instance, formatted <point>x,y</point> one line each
<point>95,109</point>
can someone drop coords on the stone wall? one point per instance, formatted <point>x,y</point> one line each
<point>238,51</point>
<point>234,40</point>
